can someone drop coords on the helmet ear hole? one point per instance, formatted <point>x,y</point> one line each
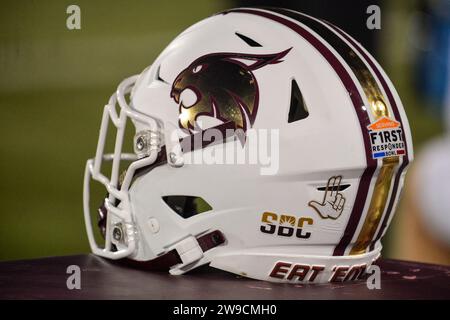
<point>187,206</point>
<point>298,109</point>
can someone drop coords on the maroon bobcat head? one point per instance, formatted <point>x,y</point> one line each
<point>225,88</point>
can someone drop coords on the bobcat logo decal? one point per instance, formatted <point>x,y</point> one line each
<point>225,88</point>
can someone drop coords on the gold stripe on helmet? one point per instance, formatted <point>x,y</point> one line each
<point>377,106</point>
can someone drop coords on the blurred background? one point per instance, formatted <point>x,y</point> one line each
<point>54,83</point>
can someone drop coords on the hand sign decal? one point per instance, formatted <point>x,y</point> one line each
<point>333,201</point>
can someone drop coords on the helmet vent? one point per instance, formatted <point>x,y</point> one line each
<point>187,206</point>
<point>247,40</point>
<point>334,188</point>
<point>158,75</point>
<point>297,110</point>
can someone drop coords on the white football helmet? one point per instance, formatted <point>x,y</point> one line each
<point>313,211</point>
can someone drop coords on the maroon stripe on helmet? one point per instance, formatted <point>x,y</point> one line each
<point>394,106</point>
<point>363,117</point>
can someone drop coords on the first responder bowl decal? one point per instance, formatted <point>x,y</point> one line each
<point>386,138</point>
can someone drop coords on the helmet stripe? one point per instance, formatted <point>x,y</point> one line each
<point>396,112</point>
<point>363,115</point>
<point>388,173</point>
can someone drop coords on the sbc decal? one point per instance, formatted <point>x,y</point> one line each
<point>386,138</point>
<point>285,226</point>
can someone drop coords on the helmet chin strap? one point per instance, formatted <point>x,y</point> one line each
<point>173,258</point>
